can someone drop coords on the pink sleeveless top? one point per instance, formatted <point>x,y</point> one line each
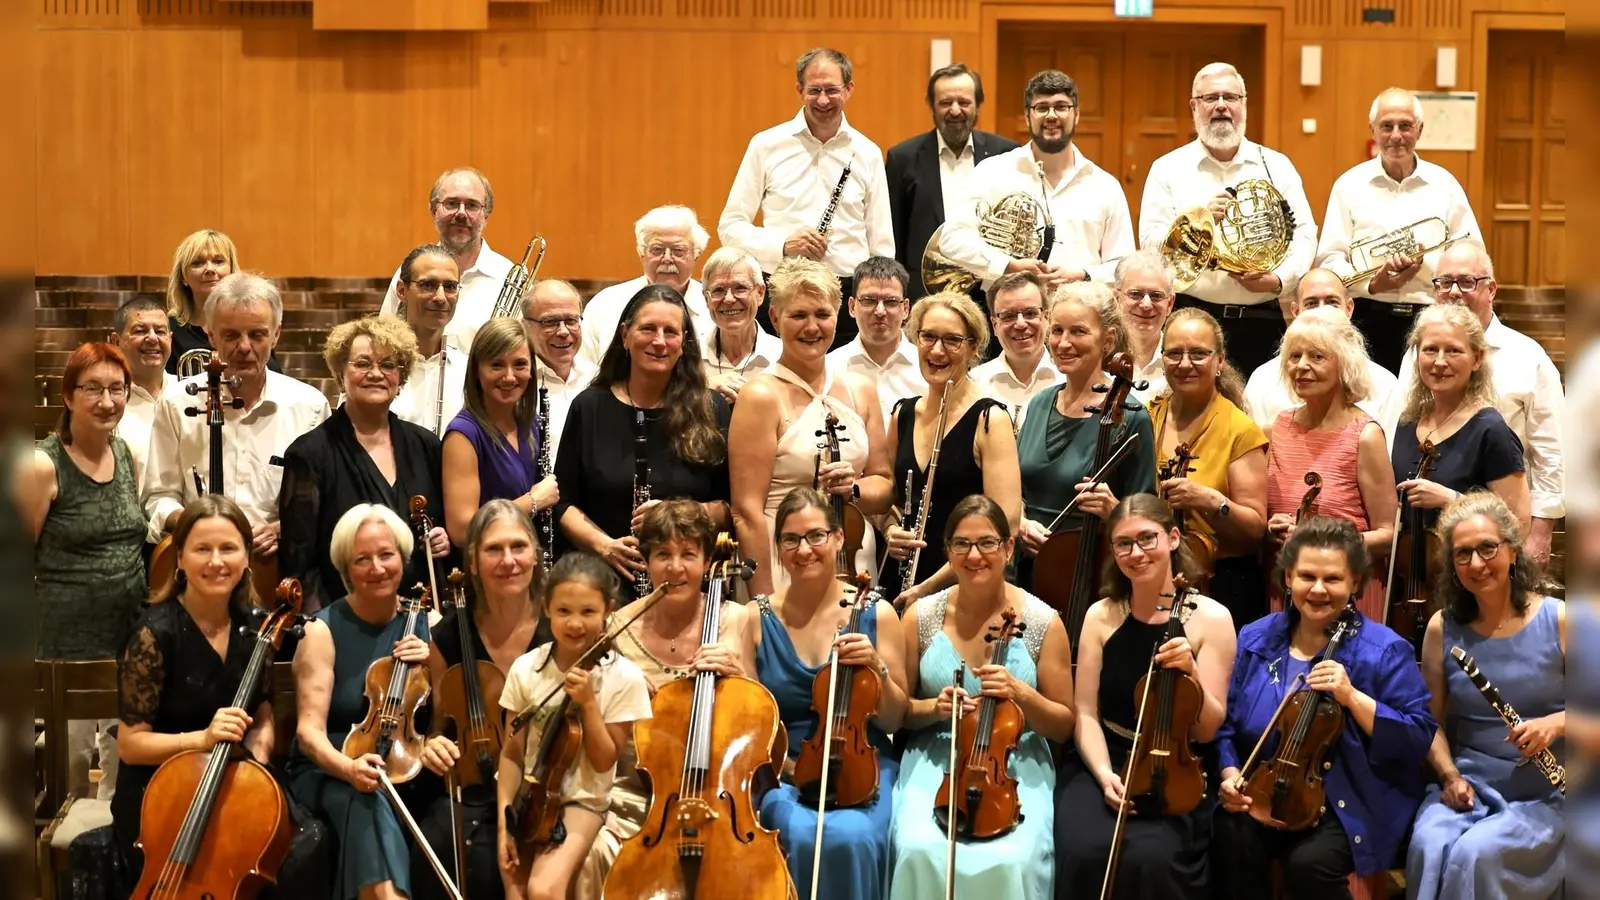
<point>1294,451</point>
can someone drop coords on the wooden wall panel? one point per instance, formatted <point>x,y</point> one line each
<point>82,164</point>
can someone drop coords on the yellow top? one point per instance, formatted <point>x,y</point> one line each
<point>1224,434</point>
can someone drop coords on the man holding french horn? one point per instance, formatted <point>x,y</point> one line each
<point>1232,218</point>
<point>1387,218</point>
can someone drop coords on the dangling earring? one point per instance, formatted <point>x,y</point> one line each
<point>181,579</point>
<point>1511,574</point>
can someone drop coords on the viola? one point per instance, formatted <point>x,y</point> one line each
<point>848,515</point>
<point>468,696</point>
<point>1200,550</point>
<point>1415,548</point>
<point>1066,570</point>
<point>1165,777</point>
<point>1287,791</point>
<point>183,858</point>
<point>985,800</point>
<point>700,837</point>
<point>394,691</point>
<point>1308,501</point>
<point>844,698</point>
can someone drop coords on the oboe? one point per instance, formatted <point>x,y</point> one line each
<point>908,575</point>
<point>1553,771</point>
<point>641,487</point>
<point>833,202</point>
<point>544,521</point>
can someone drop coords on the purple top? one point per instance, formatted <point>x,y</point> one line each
<point>503,473</point>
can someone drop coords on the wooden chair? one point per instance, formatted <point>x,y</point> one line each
<point>71,690</point>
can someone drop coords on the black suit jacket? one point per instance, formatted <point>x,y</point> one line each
<point>916,195</point>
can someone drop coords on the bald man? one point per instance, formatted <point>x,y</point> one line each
<point>1267,393</point>
<point>1526,380</point>
<point>552,316</point>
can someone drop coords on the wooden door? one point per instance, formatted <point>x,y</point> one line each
<point>1526,215</point>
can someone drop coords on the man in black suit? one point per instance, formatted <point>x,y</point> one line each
<point>925,172</point>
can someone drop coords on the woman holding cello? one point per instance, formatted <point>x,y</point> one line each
<point>1372,783</point>
<point>947,631</point>
<point>370,547</point>
<point>1127,636</point>
<point>801,627</point>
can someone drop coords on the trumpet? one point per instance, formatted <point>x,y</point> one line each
<point>518,280</point>
<point>193,362</point>
<point>1369,256</point>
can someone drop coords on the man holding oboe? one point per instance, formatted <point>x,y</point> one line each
<point>817,183</point>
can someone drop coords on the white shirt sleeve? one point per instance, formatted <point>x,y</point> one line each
<point>1546,420</point>
<point>163,489</point>
<point>880,218</point>
<point>1333,249</point>
<point>1157,211</point>
<point>391,300</point>
<point>1117,239</point>
<point>627,694</point>
<point>1303,246</point>
<point>737,226</point>
<point>960,240</point>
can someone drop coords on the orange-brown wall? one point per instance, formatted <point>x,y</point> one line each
<point>315,149</point>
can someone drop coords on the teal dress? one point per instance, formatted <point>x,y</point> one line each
<point>1017,866</point>
<point>373,845</point>
<point>855,842</point>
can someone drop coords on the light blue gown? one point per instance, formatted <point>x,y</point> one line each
<point>1508,846</point>
<point>1017,866</point>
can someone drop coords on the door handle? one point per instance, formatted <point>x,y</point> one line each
<point>1132,168</point>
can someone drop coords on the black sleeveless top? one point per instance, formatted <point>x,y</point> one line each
<point>957,478</point>
<point>446,638</point>
<point>1124,660</point>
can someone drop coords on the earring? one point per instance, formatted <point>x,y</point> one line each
<point>181,579</point>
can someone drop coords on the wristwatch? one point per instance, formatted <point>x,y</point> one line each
<point>1225,508</point>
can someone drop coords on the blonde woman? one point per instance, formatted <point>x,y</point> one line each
<point>199,264</point>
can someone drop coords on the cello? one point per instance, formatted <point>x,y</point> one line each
<point>838,762</point>
<point>848,515</point>
<point>700,837</point>
<point>1308,501</point>
<point>981,792</point>
<point>1415,547</point>
<point>1082,552</point>
<point>195,786</point>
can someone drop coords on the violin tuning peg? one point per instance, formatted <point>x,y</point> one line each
<point>1141,385</point>
<point>1100,389</point>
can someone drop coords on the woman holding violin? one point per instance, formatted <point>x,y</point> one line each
<point>1367,763</point>
<point>1324,360</point>
<point>677,539</point>
<point>1057,445</point>
<point>782,419</point>
<point>948,438</point>
<point>802,626</point>
<point>370,546</point>
<point>1221,497</point>
<point>1128,635</point>
<point>950,630</point>
<point>1494,827</point>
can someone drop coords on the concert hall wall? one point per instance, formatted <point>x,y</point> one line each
<point>315,148</point>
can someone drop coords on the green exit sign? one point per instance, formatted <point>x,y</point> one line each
<point>1135,8</point>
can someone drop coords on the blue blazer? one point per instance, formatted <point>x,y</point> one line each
<point>1376,782</point>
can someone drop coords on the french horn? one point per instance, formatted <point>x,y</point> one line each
<point>1253,235</point>
<point>1010,226</point>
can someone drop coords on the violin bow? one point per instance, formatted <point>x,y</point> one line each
<point>416,832</point>
<point>1096,478</point>
<point>1288,694</point>
<point>950,814</point>
<point>822,784</point>
<point>1117,833</point>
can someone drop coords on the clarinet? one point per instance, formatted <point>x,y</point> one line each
<point>1553,771</point>
<point>544,522</point>
<point>641,487</point>
<point>833,202</point>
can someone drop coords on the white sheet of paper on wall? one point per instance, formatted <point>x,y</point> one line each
<point>1450,120</point>
<point>938,54</point>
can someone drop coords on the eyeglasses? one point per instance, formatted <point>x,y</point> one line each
<point>472,207</point>
<point>1145,542</point>
<point>962,546</point>
<point>951,342</point>
<point>1156,298</point>
<point>832,93</point>
<point>889,304</point>
<point>816,537</point>
<point>1213,99</point>
<point>139,331</point>
<point>1197,355</point>
<point>1044,109</point>
<point>1467,283</point>
<point>430,286</point>
<point>675,251</point>
<point>554,323</point>
<point>363,365</point>
<point>1031,314</point>
<point>97,391</point>
<point>1485,551</point>
<point>738,292</point>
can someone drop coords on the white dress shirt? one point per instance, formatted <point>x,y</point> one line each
<point>1154,374</point>
<point>560,394</point>
<point>253,440</point>
<point>1530,398</point>
<point>137,417</point>
<point>480,287</point>
<point>899,377</point>
<point>788,176</point>
<point>996,379</point>
<point>603,313</point>
<point>1093,228</point>
<point>1583,411</point>
<point>418,400</point>
<point>955,171</point>
<point>1366,203</point>
<point>1190,176</point>
<point>1266,393</point>
<point>761,357</point>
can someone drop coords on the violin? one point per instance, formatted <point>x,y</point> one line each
<point>395,691</point>
<point>1415,547</point>
<point>1287,791</point>
<point>1165,777</point>
<point>184,860</point>
<point>985,803</point>
<point>532,815</point>
<point>1066,570</point>
<point>848,515</point>
<point>1200,550</point>
<point>844,699</point>
<point>700,837</point>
